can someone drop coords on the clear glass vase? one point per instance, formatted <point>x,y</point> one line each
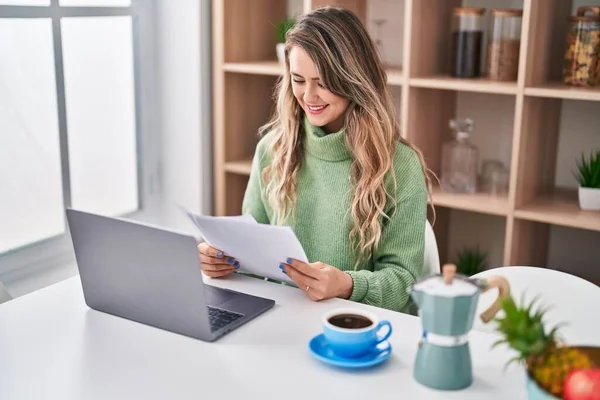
<point>460,159</point>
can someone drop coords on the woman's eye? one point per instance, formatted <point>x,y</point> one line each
<point>321,86</point>
<point>297,81</point>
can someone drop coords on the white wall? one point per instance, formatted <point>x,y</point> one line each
<point>185,108</point>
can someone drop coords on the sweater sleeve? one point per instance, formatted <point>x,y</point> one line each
<point>253,203</point>
<point>398,260</point>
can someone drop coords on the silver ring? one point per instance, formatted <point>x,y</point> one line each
<point>307,288</point>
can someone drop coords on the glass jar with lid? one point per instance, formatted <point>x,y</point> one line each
<point>504,44</point>
<point>460,159</point>
<point>466,42</point>
<point>494,178</point>
<point>582,56</point>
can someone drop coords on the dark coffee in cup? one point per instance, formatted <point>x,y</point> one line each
<point>353,332</point>
<point>350,321</point>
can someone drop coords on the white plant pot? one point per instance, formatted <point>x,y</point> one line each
<point>281,53</point>
<point>589,199</point>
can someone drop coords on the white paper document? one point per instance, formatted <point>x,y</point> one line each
<point>259,248</point>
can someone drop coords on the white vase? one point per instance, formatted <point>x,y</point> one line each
<point>589,198</point>
<point>280,48</point>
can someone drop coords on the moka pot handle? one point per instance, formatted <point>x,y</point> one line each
<point>503,292</point>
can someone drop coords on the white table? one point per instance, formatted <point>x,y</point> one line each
<point>52,346</point>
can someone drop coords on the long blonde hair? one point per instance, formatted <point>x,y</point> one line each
<point>348,66</point>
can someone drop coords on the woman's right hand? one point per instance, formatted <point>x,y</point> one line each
<point>215,263</point>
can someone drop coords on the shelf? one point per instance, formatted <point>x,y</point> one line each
<point>255,67</point>
<point>395,76</point>
<point>477,202</point>
<point>242,167</point>
<point>532,121</point>
<point>466,85</point>
<point>273,68</point>
<point>560,208</point>
<point>559,90</point>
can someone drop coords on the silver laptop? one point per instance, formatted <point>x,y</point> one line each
<point>152,275</point>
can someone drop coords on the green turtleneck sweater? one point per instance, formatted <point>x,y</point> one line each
<point>323,222</point>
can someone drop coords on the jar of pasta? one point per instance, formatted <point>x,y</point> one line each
<point>582,56</point>
<point>504,45</point>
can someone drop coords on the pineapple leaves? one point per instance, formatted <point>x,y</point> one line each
<point>537,330</point>
<point>517,359</point>
<point>522,346</point>
<point>537,347</point>
<point>523,329</point>
<point>553,333</point>
<point>509,306</point>
<point>530,307</point>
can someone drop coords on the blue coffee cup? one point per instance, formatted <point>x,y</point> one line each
<point>353,332</point>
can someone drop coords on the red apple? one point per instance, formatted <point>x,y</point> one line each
<point>582,384</point>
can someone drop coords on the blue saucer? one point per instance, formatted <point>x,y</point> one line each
<point>320,350</point>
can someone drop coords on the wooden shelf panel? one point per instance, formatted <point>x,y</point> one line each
<point>273,68</point>
<point>477,202</point>
<point>559,90</point>
<point>560,208</point>
<point>255,67</point>
<point>395,76</point>
<point>359,7</point>
<point>241,167</point>
<point>466,85</point>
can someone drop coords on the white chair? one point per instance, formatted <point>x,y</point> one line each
<point>431,262</point>
<point>571,301</point>
<point>4,295</point>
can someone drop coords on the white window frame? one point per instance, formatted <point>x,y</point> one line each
<point>57,251</point>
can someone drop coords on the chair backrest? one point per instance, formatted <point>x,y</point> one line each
<point>4,295</point>
<point>431,263</point>
<point>569,298</point>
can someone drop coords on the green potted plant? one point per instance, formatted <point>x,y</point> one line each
<point>470,261</point>
<point>588,176</point>
<point>281,30</point>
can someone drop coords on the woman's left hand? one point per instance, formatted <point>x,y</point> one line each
<point>318,280</point>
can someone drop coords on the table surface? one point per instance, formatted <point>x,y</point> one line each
<point>52,346</point>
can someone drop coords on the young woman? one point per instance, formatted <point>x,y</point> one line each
<point>333,166</point>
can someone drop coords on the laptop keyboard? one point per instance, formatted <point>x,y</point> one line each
<point>220,318</point>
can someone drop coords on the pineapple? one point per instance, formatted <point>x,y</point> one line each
<point>547,360</point>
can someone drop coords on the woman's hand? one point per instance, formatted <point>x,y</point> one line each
<point>318,280</point>
<point>215,263</point>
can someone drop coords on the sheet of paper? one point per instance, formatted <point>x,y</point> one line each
<point>259,248</point>
<point>194,218</point>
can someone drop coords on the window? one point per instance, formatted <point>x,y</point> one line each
<point>76,120</point>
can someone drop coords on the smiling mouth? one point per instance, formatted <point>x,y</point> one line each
<point>316,109</point>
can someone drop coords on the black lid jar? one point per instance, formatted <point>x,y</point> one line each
<point>467,36</point>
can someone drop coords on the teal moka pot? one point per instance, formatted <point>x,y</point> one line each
<point>447,305</point>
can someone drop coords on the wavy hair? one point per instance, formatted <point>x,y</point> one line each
<point>349,66</point>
